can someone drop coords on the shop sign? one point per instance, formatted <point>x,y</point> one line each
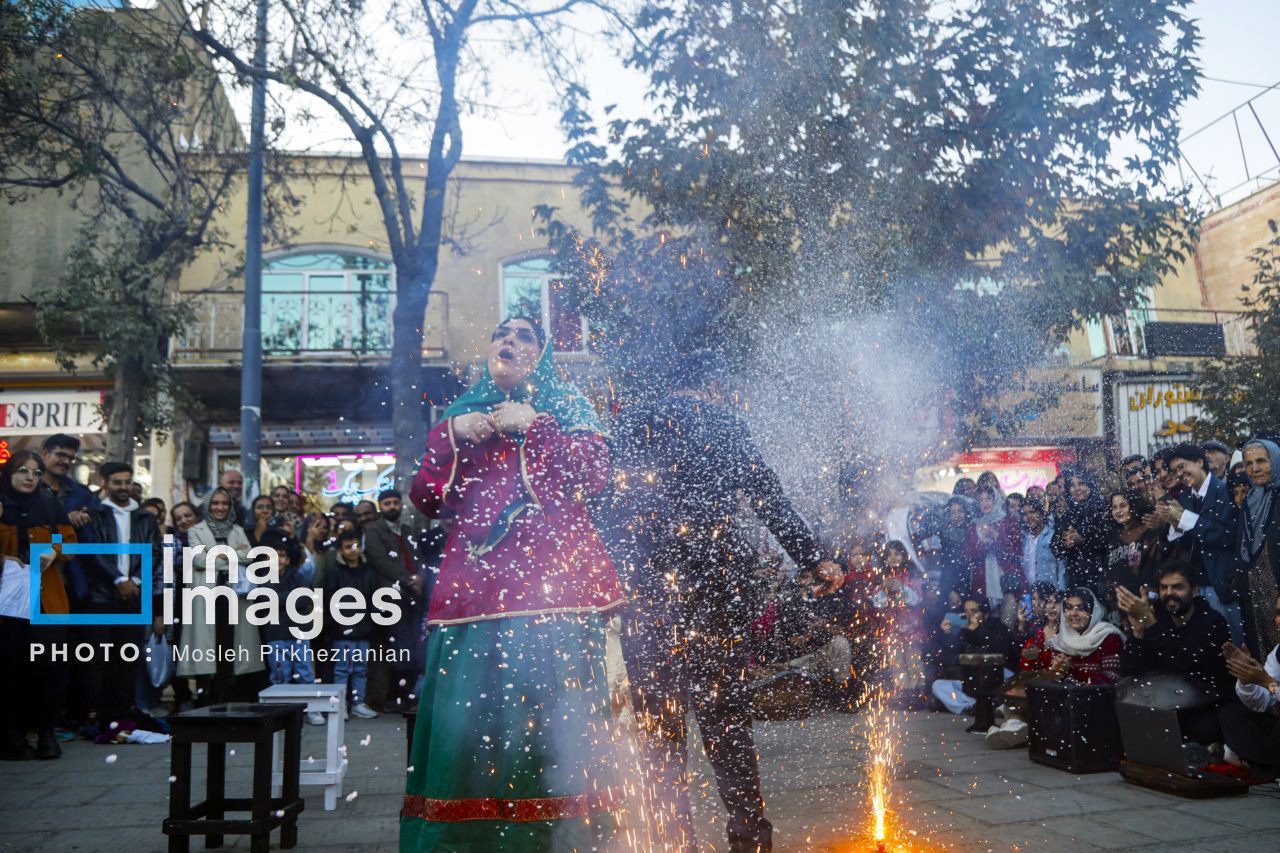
<point>1077,414</point>
<point>1151,414</point>
<point>347,478</point>
<point>49,412</point>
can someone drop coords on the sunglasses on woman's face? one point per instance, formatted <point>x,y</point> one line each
<point>34,472</point>
<point>1068,608</point>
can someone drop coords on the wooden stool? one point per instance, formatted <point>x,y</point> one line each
<point>327,699</point>
<point>219,725</point>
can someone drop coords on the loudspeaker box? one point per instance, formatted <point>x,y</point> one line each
<point>1073,726</point>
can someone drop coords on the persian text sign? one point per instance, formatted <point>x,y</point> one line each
<point>48,412</point>
<point>1078,409</point>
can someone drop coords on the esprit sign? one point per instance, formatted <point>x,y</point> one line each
<point>46,412</point>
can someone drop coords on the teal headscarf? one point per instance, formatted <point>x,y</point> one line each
<point>543,389</point>
<point>546,392</point>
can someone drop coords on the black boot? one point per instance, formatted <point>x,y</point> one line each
<point>16,747</point>
<point>47,745</point>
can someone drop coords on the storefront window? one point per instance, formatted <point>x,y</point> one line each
<point>324,479</point>
<point>351,478</point>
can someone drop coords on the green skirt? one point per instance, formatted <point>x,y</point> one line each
<point>513,744</point>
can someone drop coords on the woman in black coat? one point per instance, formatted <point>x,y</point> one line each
<point>1080,534</point>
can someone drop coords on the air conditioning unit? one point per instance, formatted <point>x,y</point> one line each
<point>1194,339</point>
<point>194,451</point>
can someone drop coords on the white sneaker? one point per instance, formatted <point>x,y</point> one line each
<point>315,718</point>
<point>364,711</point>
<point>1012,734</point>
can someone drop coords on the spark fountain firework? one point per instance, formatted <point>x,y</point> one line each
<point>881,741</point>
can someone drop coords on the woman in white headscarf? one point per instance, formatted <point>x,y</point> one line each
<point>1086,650</point>
<point>1088,646</point>
<point>1259,559</point>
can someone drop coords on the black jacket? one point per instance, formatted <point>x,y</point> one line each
<point>1087,561</point>
<point>1194,650</point>
<point>679,467</point>
<point>103,570</point>
<point>362,578</point>
<point>290,580</point>
<point>990,637</point>
<point>1212,552</point>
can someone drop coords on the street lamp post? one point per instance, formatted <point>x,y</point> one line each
<point>251,346</point>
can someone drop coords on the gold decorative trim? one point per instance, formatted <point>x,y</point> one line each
<point>453,469</point>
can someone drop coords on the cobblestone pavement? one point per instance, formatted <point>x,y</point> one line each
<point>954,794</point>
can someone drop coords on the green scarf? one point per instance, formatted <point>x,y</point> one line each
<point>546,392</point>
<point>543,389</point>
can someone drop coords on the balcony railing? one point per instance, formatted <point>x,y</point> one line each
<point>1126,336</point>
<point>306,326</point>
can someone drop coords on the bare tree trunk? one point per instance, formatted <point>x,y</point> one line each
<point>122,418</point>
<point>408,421</point>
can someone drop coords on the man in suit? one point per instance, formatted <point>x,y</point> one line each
<point>680,465</point>
<point>1204,521</point>
<point>392,551</point>
<point>115,588</point>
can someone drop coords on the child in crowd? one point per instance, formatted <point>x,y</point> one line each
<point>899,605</point>
<point>351,642</point>
<point>290,657</point>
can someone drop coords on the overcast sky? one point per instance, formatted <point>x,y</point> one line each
<point>1239,44</point>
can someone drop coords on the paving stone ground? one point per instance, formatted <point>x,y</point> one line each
<point>952,792</point>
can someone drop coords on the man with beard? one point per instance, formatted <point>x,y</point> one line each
<point>680,465</point>
<point>1184,635</point>
<point>392,552</point>
<point>115,589</point>
<point>366,514</point>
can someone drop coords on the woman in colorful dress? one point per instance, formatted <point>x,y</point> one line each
<point>513,746</point>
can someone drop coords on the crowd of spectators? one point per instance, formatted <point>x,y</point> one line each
<point>1156,566</point>
<point>363,546</point>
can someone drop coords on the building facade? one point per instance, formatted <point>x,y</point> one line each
<point>328,298</point>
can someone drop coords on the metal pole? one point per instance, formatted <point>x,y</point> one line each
<point>251,360</point>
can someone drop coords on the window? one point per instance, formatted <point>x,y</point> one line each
<point>1128,330</point>
<point>327,302</point>
<point>530,288</point>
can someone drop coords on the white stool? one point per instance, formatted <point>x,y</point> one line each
<point>327,699</point>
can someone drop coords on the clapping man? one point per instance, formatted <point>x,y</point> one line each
<point>1251,730</point>
<point>1204,519</point>
<point>1185,635</point>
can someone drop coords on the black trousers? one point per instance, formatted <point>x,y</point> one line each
<point>110,681</point>
<point>678,662</point>
<point>34,689</point>
<point>1254,736</point>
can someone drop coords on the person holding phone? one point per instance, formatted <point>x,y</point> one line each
<point>981,633</point>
